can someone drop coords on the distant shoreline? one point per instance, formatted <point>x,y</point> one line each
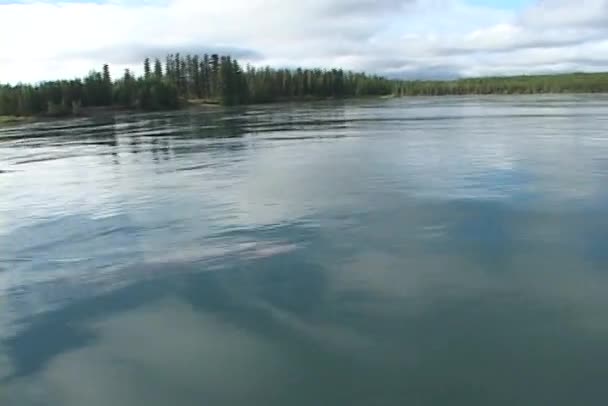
<point>92,112</point>
<point>14,120</point>
<point>206,80</point>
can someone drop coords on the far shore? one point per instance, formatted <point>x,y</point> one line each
<point>8,120</point>
<point>104,111</point>
<point>194,104</point>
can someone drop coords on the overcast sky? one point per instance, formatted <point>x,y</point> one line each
<point>42,40</point>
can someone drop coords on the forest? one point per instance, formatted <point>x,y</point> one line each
<point>169,85</point>
<point>525,84</point>
<point>217,79</point>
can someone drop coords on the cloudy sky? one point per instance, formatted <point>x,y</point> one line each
<point>47,39</point>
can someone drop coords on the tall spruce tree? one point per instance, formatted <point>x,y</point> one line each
<point>147,68</point>
<point>158,69</point>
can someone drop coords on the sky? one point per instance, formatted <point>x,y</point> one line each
<point>49,39</point>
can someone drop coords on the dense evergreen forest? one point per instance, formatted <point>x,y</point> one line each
<point>557,83</point>
<point>178,79</point>
<point>213,79</point>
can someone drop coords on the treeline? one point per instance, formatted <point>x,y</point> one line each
<point>170,83</point>
<point>559,83</point>
<point>97,89</point>
<point>222,79</point>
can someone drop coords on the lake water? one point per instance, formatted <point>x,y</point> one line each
<point>427,251</point>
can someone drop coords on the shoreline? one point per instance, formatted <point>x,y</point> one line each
<point>193,104</point>
<point>190,104</point>
<point>14,120</point>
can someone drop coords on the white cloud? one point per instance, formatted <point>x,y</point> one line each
<point>218,374</point>
<point>566,13</point>
<point>43,40</point>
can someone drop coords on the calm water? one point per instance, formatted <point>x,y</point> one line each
<point>449,251</point>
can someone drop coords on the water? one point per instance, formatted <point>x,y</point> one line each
<point>448,251</point>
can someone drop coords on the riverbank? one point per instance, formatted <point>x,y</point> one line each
<point>104,111</point>
<point>196,104</point>
<point>192,81</point>
<point>8,120</point>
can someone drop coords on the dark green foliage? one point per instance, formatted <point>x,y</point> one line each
<point>266,85</point>
<point>156,94</point>
<point>563,83</point>
<point>69,97</point>
<point>147,68</point>
<point>158,69</point>
<point>221,79</point>
<point>107,86</point>
<point>214,69</point>
<point>215,78</point>
<point>205,77</point>
<point>125,90</point>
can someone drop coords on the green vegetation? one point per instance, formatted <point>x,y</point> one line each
<point>13,119</point>
<point>215,79</point>
<point>562,83</point>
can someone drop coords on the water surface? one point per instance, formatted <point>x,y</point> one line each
<point>427,251</point>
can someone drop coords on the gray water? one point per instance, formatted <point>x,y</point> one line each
<point>429,251</point>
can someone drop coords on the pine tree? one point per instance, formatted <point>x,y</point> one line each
<point>106,97</point>
<point>182,78</point>
<point>106,74</point>
<point>147,70</point>
<point>158,69</point>
<point>205,77</point>
<point>196,76</point>
<point>169,67</point>
<point>215,74</point>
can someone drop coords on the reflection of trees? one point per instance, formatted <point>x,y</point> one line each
<point>167,136</point>
<point>164,136</point>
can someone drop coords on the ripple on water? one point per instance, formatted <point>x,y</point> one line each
<point>422,243</point>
